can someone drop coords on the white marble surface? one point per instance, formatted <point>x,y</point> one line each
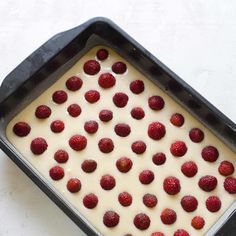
<point>196,39</point>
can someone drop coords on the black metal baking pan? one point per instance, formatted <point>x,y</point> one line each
<point>44,66</point>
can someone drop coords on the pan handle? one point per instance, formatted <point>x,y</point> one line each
<point>42,55</point>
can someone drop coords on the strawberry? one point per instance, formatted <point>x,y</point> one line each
<point>171,185</point>
<point>198,222</point>
<point>89,166</point>
<point>159,158</point>
<point>142,221</point>
<point>91,126</point>
<point>78,142</point>
<point>137,113</point>
<point>111,219</point>
<point>213,204</point>
<point>189,169</point>
<point>196,135</point>
<point>156,130</point>
<point>189,203</point>
<point>21,129</point>
<point>177,119</point>
<point>59,96</point>
<point>181,232</point>
<point>107,182</point>
<point>92,96</point>
<point>43,112</point>
<point>38,146</point>
<point>90,201</point>
<point>207,183</point>
<point>138,147</point>
<point>146,176</point>
<point>56,173</point>
<point>106,145</point>
<point>168,216</point>
<point>137,86</point>
<point>74,83</point>
<point>230,185</point>
<point>105,115</point>
<point>120,99</point>
<point>102,54</point>
<point>125,199</point>
<point>178,148</point>
<point>156,103</point>
<point>106,80</point>
<point>124,164</point>
<point>119,67</point>
<point>57,126</point>
<point>74,110</point>
<point>150,200</point>
<point>226,168</point>
<point>73,185</point>
<point>61,156</point>
<point>122,129</point>
<point>91,67</point>
<point>210,153</point>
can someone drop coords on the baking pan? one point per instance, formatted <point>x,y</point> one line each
<point>44,66</point>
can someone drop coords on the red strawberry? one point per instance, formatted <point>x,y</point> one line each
<point>189,203</point>
<point>156,130</point>
<point>142,221</point>
<point>198,222</point>
<point>189,168</point>
<point>111,219</point>
<point>57,126</point>
<point>91,67</point>
<point>78,142</point>
<point>230,185</point>
<point>171,185</point>
<point>137,86</point>
<point>226,168</point>
<point>150,200</point>
<point>138,147</point>
<point>210,153</point>
<point>119,67</point>
<point>168,216</point>
<point>74,110</point>
<point>177,120</point>
<point>73,185</point>
<point>106,80</point>
<point>196,135</point>
<point>213,204</point>
<point>56,173</point>
<point>74,83</point>
<point>90,201</point>
<point>102,54</point>
<point>43,112</point>
<point>146,176</point>
<point>91,126</point>
<point>105,115</point>
<point>61,156</point>
<point>120,99</point>
<point>207,183</point>
<point>159,158</point>
<point>156,103</point>
<point>106,145</point>
<point>124,164</point>
<point>181,232</point>
<point>92,96</point>
<point>21,129</point>
<point>178,149</point>
<point>157,234</point>
<point>122,129</point>
<point>38,146</point>
<point>59,97</point>
<point>107,182</point>
<point>137,113</point>
<point>125,199</point>
<point>89,166</point>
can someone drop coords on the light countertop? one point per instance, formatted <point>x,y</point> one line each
<point>196,39</point>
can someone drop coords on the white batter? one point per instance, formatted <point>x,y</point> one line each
<point>106,162</point>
